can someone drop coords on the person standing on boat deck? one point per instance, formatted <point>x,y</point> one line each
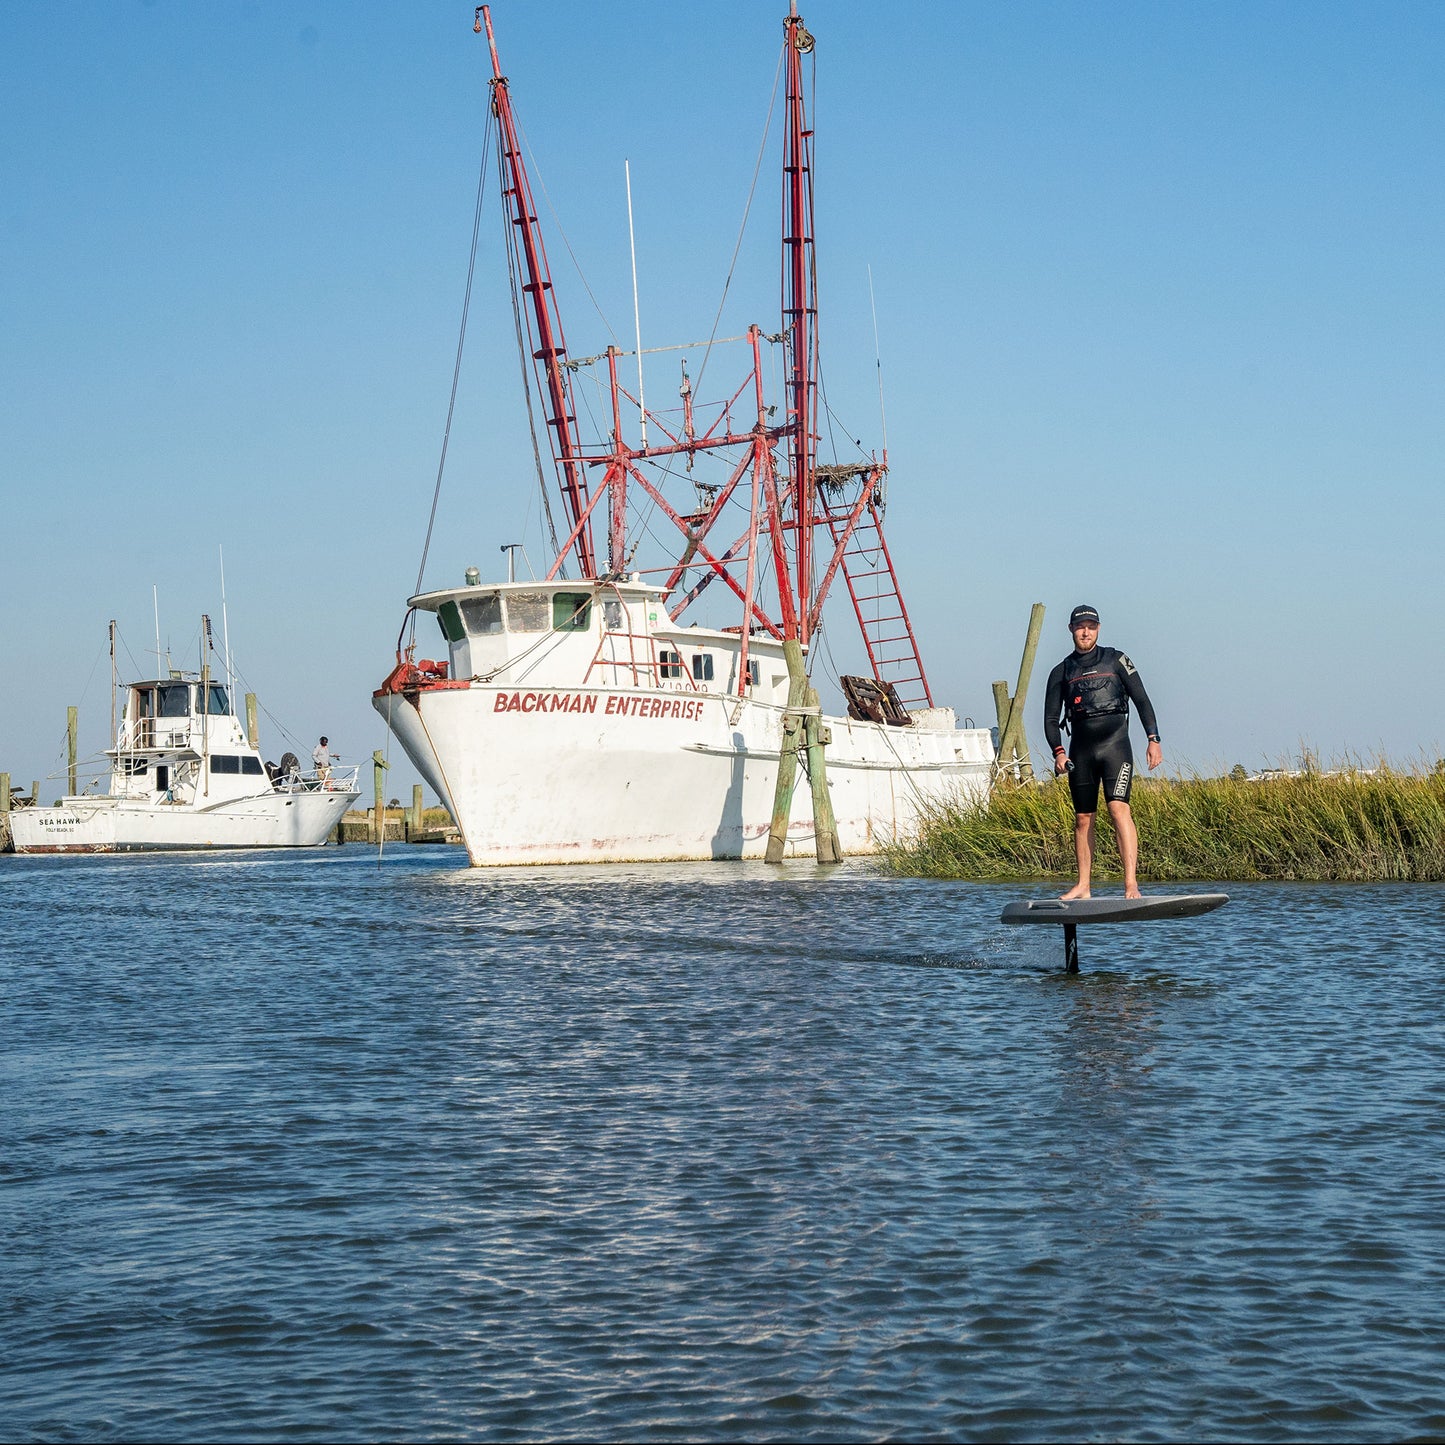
<point>1092,689</point>
<point>321,760</point>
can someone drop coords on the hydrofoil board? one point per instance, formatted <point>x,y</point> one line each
<point>1113,910</point>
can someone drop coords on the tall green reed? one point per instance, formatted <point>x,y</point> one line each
<point>1349,825</point>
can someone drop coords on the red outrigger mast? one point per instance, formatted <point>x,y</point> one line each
<point>790,511</point>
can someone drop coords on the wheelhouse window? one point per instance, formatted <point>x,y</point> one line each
<point>528,611</point>
<point>612,614</point>
<point>449,619</point>
<point>755,672</point>
<point>669,663</point>
<point>482,615</point>
<point>571,611</point>
<point>225,763</point>
<point>252,765</point>
<point>135,767</point>
<point>217,703</point>
<point>702,666</point>
<point>173,699</point>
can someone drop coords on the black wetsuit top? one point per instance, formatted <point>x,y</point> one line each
<point>1093,691</point>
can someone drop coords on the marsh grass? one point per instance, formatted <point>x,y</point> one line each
<point>1350,825</point>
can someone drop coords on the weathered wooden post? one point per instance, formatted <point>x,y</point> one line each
<point>1013,748</point>
<point>4,812</point>
<point>788,752</point>
<point>378,828</point>
<point>72,730</point>
<point>4,792</point>
<point>35,793</point>
<point>253,726</point>
<point>825,827</point>
<point>416,809</point>
<point>1001,705</point>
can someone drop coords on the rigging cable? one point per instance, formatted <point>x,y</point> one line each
<point>510,240</point>
<point>457,366</point>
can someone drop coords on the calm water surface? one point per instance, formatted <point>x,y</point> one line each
<point>306,1147</point>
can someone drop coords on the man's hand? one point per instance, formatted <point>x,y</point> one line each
<point>1154,755</point>
<point>1061,761</point>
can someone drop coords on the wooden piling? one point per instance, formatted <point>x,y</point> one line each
<point>416,808</point>
<point>4,792</point>
<point>1013,746</point>
<point>827,849</point>
<point>253,726</point>
<point>72,753</point>
<point>788,752</point>
<point>378,819</point>
<point>1001,705</point>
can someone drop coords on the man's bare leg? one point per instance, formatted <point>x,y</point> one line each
<point>1084,852</point>
<point>1128,837</point>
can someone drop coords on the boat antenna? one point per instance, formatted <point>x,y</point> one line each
<point>112,679</point>
<point>636,313</point>
<point>226,636</point>
<point>878,362</point>
<point>156,604</point>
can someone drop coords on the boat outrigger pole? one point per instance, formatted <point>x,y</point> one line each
<point>800,315</point>
<point>544,322</point>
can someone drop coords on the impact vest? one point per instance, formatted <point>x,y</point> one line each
<point>1097,689</point>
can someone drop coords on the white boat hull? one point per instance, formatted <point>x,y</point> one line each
<point>577,775</point>
<point>121,825</point>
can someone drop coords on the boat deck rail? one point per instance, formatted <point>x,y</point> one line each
<point>323,780</point>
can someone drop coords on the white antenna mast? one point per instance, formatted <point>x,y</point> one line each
<point>156,603</point>
<point>636,313</point>
<point>226,635</point>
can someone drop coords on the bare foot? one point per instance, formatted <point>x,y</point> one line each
<point>1077,891</point>
<point>1132,893</point>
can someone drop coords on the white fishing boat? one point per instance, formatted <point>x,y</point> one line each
<point>184,773</point>
<point>586,718</point>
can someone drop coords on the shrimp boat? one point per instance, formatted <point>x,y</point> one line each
<point>184,773</point>
<point>585,717</point>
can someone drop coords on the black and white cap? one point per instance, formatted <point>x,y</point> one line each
<point>1083,614</point>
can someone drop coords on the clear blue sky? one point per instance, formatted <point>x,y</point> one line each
<point>1159,288</point>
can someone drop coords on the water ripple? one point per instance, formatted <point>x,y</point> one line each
<point>321,1148</point>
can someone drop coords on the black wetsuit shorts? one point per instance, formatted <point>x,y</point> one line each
<point>1101,754</point>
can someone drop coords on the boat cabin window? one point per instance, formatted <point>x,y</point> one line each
<point>217,703</point>
<point>702,666</point>
<point>252,765</point>
<point>482,615</point>
<point>528,611</point>
<point>449,619</point>
<point>755,672</point>
<point>612,613</point>
<point>571,611</point>
<point>222,763</point>
<point>174,699</point>
<point>669,662</point>
<point>135,767</point>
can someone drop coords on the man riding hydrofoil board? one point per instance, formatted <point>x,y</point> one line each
<point>1090,691</point>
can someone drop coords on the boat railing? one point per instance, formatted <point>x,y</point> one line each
<point>321,780</point>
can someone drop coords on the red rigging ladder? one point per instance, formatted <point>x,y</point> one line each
<point>787,508</point>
